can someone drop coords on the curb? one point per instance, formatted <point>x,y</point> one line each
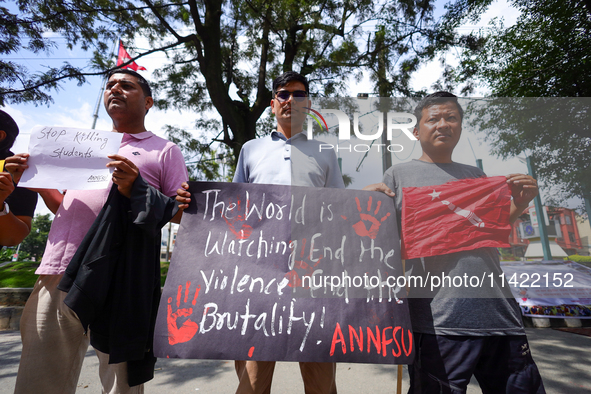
<point>16,296</point>
<point>12,303</point>
<point>10,317</point>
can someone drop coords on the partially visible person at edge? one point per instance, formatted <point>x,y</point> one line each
<point>457,333</point>
<point>54,342</point>
<point>285,157</point>
<point>17,204</point>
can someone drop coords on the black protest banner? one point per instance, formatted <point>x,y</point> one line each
<point>271,272</point>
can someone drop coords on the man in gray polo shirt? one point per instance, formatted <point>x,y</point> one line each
<point>285,157</point>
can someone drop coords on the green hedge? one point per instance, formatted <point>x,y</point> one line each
<point>22,274</point>
<point>579,259</point>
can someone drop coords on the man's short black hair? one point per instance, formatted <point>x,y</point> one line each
<point>141,80</point>
<point>10,128</point>
<point>287,77</point>
<point>436,99</point>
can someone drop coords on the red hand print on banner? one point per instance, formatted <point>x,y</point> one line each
<point>237,225</point>
<point>374,224</point>
<point>189,328</point>
<point>293,276</point>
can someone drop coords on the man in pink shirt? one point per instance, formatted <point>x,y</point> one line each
<point>54,342</point>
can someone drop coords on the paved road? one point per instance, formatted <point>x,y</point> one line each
<point>564,360</point>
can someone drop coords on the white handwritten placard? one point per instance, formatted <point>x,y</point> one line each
<point>69,158</point>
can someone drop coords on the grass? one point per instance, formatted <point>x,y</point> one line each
<point>18,274</point>
<point>163,271</point>
<point>22,274</point>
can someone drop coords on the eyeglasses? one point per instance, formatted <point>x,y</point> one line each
<point>284,95</point>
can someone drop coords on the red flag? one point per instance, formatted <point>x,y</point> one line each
<point>459,215</point>
<point>123,57</point>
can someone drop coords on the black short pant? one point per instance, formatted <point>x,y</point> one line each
<point>501,364</point>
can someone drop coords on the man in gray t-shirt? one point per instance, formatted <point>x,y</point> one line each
<point>460,332</point>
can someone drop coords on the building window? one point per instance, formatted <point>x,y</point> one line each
<point>571,237</point>
<point>567,220</point>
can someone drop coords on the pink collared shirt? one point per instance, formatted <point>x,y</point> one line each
<point>161,164</point>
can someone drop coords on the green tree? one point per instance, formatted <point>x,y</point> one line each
<point>202,162</point>
<point>35,242</point>
<point>218,48</point>
<point>6,254</point>
<point>544,54</point>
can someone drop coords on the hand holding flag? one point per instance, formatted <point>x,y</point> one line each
<point>523,189</point>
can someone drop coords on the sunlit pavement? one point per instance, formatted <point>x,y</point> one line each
<point>563,358</point>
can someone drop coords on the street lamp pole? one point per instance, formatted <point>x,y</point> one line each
<point>386,155</point>
<point>384,94</point>
<point>588,208</point>
<point>587,200</point>
<point>479,164</point>
<point>540,214</point>
<point>384,106</point>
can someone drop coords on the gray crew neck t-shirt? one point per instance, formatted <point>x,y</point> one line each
<point>451,310</point>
